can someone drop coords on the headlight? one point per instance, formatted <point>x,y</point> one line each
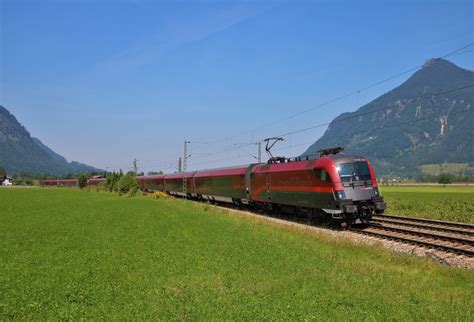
<point>377,192</point>
<point>340,194</point>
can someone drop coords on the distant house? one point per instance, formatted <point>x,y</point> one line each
<point>7,181</point>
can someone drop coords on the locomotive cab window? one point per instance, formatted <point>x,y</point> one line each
<point>354,171</point>
<point>323,175</point>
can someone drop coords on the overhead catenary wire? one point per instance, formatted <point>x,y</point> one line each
<point>341,136</point>
<point>379,128</point>
<point>398,125</point>
<point>420,98</point>
<point>374,111</point>
<point>232,147</point>
<point>459,51</point>
<point>357,91</point>
<point>347,118</point>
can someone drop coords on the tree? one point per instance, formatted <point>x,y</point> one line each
<point>113,179</point>
<point>82,180</point>
<point>444,179</point>
<point>128,184</point>
<point>3,173</point>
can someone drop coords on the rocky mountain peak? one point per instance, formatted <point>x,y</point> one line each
<point>19,152</point>
<point>430,61</point>
<point>426,120</point>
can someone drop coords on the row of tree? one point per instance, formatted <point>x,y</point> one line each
<point>3,175</point>
<point>444,178</point>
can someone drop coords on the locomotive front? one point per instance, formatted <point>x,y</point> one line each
<point>356,189</point>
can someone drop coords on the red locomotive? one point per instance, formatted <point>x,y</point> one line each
<point>339,186</point>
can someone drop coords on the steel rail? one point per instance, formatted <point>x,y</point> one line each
<point>459,240</point>
<point>408,223</point>
<point>433,221</point>
<point>429,244</point>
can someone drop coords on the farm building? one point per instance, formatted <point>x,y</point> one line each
<point>7,181</point>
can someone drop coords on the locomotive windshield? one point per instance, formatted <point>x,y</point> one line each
<point>354,171</point>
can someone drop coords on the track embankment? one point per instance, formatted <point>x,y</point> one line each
<point>449,243</point>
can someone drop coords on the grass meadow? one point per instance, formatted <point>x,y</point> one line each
<point>70,254</point>
<point>455,203</point>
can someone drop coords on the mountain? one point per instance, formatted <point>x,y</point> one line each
<point>19,152</point>
<point>426,121</point>
<point>48,150</point>
<point>75,167</point>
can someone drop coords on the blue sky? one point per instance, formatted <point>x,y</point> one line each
<point>103,82</point>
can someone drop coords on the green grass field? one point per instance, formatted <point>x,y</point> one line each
<point>455,203</point>
<point>70,254</point>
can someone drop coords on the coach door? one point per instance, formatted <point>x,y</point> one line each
<point>249,181</point>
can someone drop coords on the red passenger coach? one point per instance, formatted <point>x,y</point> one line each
<point>152,183</point>
<point>224,185</point>
<point>179,184</point>
<point>58,183</point>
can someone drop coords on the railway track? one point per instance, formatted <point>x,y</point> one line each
<point>449,237</point>
<point>442,235</point>
<point>447,226</point>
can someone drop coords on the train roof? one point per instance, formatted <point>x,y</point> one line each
<point>294,165</point>
<point>346,158</point>
<point>227,168</point>
<point>180,175</point>
<point>338,158</point>
<point>234,170</point>
<point>153,177</point>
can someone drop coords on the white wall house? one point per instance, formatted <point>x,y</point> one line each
<point>7,181</point>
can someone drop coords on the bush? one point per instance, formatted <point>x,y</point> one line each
<point>102,187</point>
<point>112,180</point>
<point>127,184</point>
<point>82,181</point>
